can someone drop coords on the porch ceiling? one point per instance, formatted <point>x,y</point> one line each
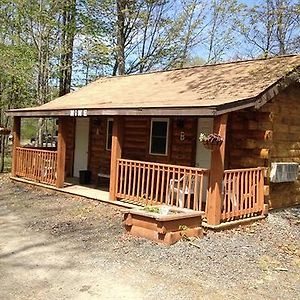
<point>202,90</point>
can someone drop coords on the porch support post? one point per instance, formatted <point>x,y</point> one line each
<point>116,153</point>
<point>61,151</point>
<point>216,173</point>
<point>16,143</point>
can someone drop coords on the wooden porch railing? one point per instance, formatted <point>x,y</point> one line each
<point>243,193</point>
<point>35,164</point>
<point>147,183</point>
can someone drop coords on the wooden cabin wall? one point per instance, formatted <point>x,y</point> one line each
<point>137,139</point>
<point>70,147</point>
<point>270,134</point>
<point>248,138</point>
<point>184,152</point>
<point>284,111</point>
<point>136,143</point>
<point>99,157</point>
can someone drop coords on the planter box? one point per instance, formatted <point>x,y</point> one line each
<point>163,228</point>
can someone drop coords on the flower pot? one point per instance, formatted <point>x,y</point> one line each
<point>211,146</point>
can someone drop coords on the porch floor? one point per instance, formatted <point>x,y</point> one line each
<point>86,191</point>
<point>99,194</point>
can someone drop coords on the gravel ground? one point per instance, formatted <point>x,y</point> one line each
<point>90,257</point>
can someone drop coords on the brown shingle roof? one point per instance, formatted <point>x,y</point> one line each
<point>194,87</point>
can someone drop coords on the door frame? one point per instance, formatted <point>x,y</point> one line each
<point>88,144</point>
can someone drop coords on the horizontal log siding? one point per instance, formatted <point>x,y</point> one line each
<point>136,143</point>
<point>285,113</point>
<point>271,134</point>
<point>70,142</point>
<point>184,152</point>
<point>99,157</point>
<point>137,138</point>
<point>247,135</point>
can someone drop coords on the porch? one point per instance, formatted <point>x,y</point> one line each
<point>146,183</point>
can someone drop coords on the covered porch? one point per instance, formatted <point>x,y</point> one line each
<point>224,195</point>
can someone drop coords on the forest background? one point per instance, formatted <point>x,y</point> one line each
<point>49,48</point>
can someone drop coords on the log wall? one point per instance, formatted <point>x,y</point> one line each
<point>99,157</point>
<point>256,138</point>
<point>70,146</point>
<point>284,111</point>
<point>136,143</point>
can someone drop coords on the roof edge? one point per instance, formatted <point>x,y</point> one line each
<point>171,111</point>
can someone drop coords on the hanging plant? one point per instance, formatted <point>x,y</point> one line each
<point>211,141</point>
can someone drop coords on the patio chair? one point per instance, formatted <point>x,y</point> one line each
<point>48,168</point>
<point>228,193</point>
<point>183,186</point>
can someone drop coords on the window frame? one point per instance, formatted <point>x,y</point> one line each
<point>166,120</point>
<point>107,133</point>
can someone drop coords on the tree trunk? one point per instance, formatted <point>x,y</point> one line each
<point>66,58</point>
<point>280,25</point>
<point>121,6</point>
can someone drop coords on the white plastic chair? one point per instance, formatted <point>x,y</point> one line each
<point>183,186</point>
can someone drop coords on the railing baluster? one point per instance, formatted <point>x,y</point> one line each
<point>143,181</point>
<point>157,185</point>
<point>162,186</point>
<point>138,181</point>
<point>125,179</point>
<point>257,182</point>
<point>129,180</point>
<point>198,191</point>
<point>152,184</point>
<point>147,184</point>
<point>178,186</point>
<point>121,177</point>
<point>117,176</point>
<point>190,189</point>
<point>168,194</point>
<point>133,180</point>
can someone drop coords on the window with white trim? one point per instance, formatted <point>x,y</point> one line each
<point>159,136</point>
<point>109,129</point>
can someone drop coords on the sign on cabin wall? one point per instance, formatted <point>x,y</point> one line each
<point>78,112</point>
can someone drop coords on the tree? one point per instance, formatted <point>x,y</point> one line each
<point>271,27</point>
<point>67,40</point>
<point>121,36</point>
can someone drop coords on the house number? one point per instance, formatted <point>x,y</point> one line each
<point>182,136</point>
<point>78,112</point>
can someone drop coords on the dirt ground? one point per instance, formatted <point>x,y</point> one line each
<point>55,246</point>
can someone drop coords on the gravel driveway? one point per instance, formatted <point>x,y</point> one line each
<point>55,246</point>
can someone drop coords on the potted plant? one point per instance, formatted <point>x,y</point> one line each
<point>211,141</point>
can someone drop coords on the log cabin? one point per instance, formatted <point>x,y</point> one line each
<point>141,132</point>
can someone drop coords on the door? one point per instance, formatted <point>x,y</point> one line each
<point>203,155</point>
<point>81,145</point>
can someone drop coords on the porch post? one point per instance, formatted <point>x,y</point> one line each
<point>16,143</point>
<point>216,173</point>
<point>61,151</point>
<point>116,153</point>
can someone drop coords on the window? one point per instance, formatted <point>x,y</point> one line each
<point>109,129</point>
<point>159,136</point>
